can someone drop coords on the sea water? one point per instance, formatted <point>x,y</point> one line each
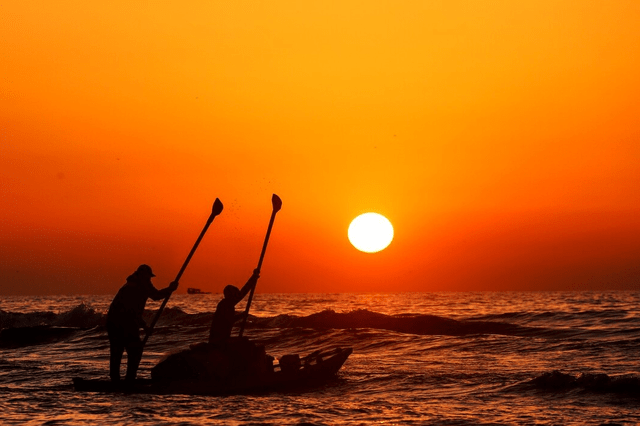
<point>418,358</point>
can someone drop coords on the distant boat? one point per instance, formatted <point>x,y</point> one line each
<point>192,290</point>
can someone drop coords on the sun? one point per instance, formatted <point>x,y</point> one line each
<point>370,232</point>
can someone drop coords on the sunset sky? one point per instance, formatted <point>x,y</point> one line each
<point>500,138</point>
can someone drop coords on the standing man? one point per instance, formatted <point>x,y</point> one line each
<point>124,320</point>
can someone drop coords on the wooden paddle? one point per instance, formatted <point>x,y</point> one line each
<point>215,211</point>
<point>277,205</point>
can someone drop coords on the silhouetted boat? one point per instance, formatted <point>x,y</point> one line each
<point>192,290</point>
<point>315,369</point>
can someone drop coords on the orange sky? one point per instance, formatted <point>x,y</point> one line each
<point>502,140</point>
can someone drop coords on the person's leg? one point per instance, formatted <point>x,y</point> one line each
<point>134,355</point>
<point>116,349</point>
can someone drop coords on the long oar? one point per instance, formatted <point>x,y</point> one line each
<point>215,211</point>
<point>277,205</point>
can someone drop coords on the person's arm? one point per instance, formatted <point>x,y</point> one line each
<point>251,283</point>
<point>156,294</point>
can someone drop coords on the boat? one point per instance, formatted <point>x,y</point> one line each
<point>192,290</point>
<point>291,373</point>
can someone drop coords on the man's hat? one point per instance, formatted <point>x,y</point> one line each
<point>145,269</point>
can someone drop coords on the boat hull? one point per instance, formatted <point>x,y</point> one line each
<point>315,370</point>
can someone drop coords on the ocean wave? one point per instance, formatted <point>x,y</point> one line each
<point>557,381</point>
<point>20,329</point>
<point>36,335</point>
<point>83,316</point>
<point>421,324</point>
<point>588,316</point>
<point>176,316</point>
<point>36,328</point>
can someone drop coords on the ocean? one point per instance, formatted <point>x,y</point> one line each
<point>478,358</point>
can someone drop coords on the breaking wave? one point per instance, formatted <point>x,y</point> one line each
<point>81,316</point>
<point>23,329</point>
<point>402,323</point>
<point>35,328</point>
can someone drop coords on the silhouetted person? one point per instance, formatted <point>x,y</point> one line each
<point>124,320</point>
<point>225,314</point>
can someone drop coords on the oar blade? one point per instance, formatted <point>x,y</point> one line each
<point>276,202</point>
<point>217,208</point>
